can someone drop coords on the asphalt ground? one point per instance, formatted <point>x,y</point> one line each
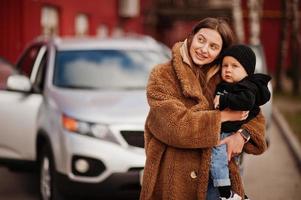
<point>275,174</point>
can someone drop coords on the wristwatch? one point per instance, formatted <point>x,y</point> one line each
<point>245,134</point>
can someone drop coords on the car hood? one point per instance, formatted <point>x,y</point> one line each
<point>128,106</point>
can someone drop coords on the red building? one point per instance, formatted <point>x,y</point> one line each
<point>168,21</point>
<point>23,20</point>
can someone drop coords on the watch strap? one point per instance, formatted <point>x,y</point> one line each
<point>245,134</point>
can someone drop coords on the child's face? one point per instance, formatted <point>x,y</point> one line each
<point>232,70</point>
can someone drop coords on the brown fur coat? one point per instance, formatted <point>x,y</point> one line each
<point>180,131</point>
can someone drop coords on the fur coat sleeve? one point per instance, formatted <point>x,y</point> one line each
<point>256,127</point>
<point>176,120</point>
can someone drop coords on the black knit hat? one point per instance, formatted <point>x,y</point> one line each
<point>244,55</point>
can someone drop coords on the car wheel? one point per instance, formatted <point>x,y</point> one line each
<point>47,184</point>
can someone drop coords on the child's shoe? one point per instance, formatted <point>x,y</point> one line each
<point>233,196</point>
<point>246,197</point>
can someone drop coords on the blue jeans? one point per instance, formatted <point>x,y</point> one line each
<point>219,164</point>
<point>212,192</point>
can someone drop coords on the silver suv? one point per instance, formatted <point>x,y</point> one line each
<point>77,108</point>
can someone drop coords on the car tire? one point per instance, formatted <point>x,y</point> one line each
<point>47,183</point>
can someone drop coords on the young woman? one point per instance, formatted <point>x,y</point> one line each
<point>182,125</point>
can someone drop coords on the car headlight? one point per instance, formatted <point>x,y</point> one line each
<point>100,131</point>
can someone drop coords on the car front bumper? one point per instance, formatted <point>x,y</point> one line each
<point>111,157</point>
<point>125,185</point>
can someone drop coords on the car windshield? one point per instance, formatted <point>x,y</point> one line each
<point>105,69</point>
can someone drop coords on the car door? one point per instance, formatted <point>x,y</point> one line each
<point>18,110</point>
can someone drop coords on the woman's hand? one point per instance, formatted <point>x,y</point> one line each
<point>231,115</point>
<point>235,144</point>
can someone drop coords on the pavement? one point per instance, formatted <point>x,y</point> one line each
<point>288,135</point>
<point>272,175</point>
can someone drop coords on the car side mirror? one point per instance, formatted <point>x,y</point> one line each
<point>19,82</point>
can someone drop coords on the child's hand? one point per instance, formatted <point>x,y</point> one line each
<point>216,102</point>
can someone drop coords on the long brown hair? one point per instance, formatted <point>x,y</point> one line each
<point>223,28</point>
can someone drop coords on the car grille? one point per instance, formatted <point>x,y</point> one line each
<point>134,138</point>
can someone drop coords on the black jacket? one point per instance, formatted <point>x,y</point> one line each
<point>248,94</point>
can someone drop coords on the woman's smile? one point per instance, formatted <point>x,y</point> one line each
<point>200,55</point>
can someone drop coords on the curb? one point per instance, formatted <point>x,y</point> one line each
<point>288,135</point>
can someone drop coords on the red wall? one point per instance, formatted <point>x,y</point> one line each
<point>20,23</point>
<point>270,38</point>
<point>270,31</point>
<point>99,11</point>
<point>20,20</point>
<point>11,36</point>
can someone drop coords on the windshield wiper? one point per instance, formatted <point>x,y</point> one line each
<point>100,88</point>
<point>132,88</point>
<point>78,87</point>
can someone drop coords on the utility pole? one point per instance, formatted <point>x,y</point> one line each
<point>283,47</point>
<point>295,49</point>
<point>255,10</point>
<point>238,21</point>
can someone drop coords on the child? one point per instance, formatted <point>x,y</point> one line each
<point>243,90</point>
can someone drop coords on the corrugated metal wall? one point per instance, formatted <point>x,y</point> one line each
<point>11,28</point>
<point>20,20</point>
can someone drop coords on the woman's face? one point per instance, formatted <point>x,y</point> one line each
<point>206,46</point>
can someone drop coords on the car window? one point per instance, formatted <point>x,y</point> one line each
<point>27,60</point>
<point>6,69</point>
<point>105,69</point>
